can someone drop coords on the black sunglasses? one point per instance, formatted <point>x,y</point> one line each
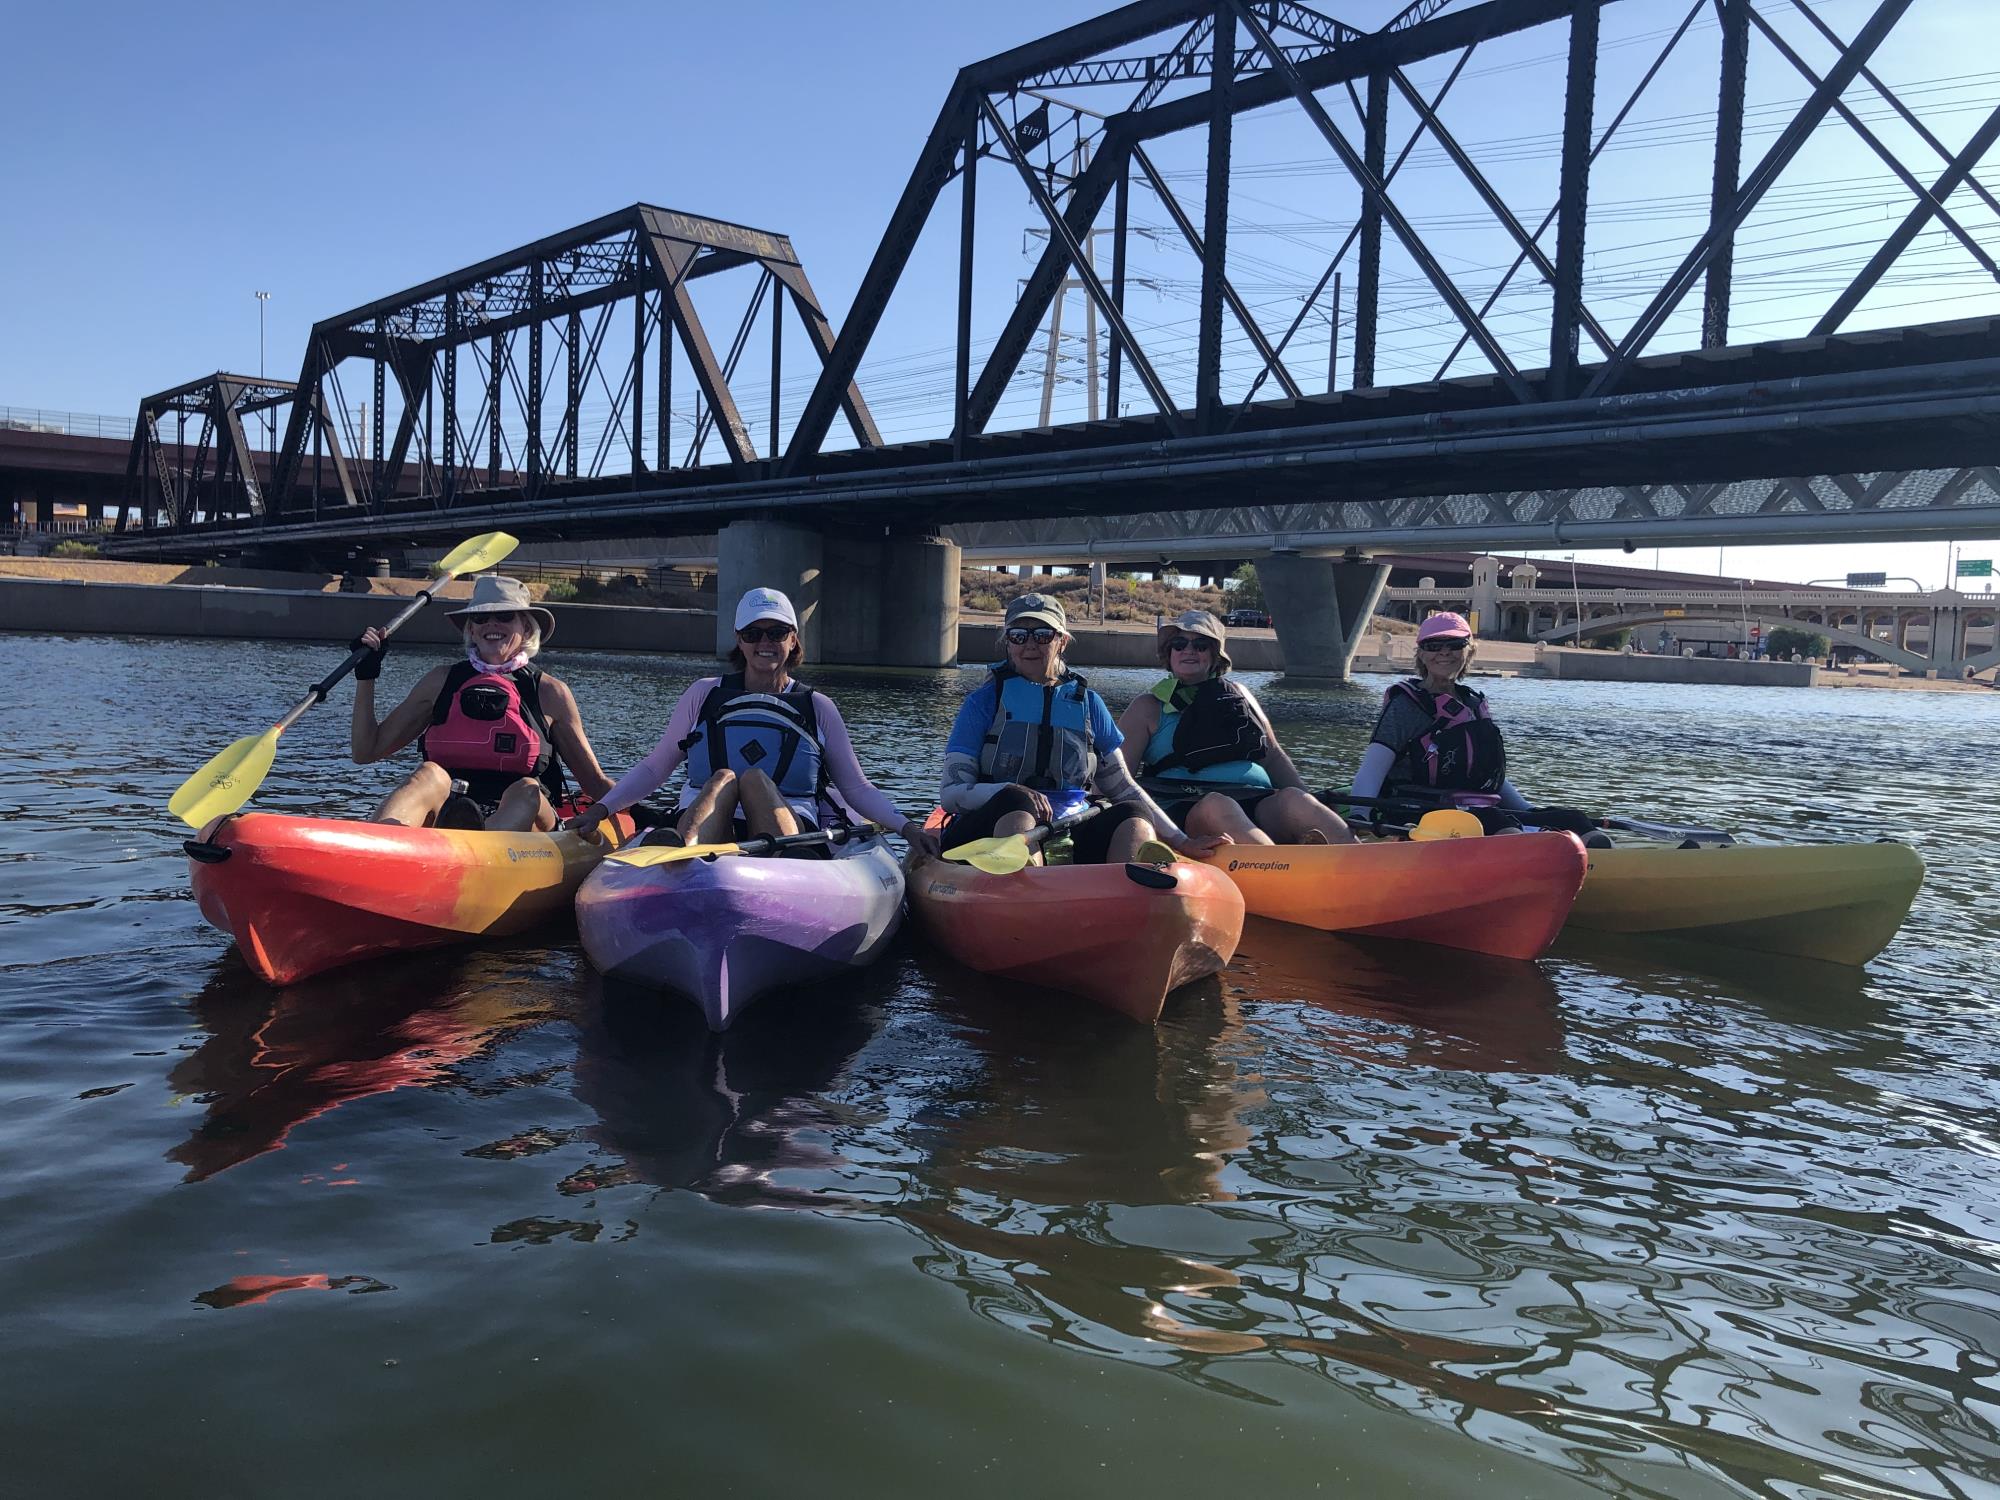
<point>750,635</point>
<point>503,616</point>
<point>1454,645</point>
<point>1041,635</point>
<point>1191,643</point>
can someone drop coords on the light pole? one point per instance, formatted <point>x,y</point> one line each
<point>262,298</point>
<point>1576,597</point>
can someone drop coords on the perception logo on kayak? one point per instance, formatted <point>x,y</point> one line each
<point>514,854</point>
<point>1259,864</point>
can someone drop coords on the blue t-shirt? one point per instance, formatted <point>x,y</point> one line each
<point>975,717</point>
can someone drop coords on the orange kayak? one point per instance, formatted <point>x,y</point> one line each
<point>303,895</point>
<point>1508,896</point>
<point>1121,935</point>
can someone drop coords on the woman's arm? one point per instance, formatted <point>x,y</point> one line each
<point>369,741</point>
<point>666,757</point>
<point>1277,765</point>
<point>1376,763</point>
<point>566,727</point>
<point>1114,780</point>
<point>1140,721</point>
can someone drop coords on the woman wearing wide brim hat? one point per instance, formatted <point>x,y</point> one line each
<point>494,722</point>
<point>1435,736</point>
<point>1211,756</point>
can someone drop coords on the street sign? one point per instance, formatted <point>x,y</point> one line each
<point>1756,632</point>
<point>1673,614</point>
<point>1866,580</point>
<point>1975,567</point>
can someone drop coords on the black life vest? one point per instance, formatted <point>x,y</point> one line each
<point>1461,751</point>
<point>1216,724</point>
<point>488,729</point>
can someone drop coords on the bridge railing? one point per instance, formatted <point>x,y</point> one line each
<point>73,423</point>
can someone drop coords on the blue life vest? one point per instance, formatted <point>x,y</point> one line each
<point>1207,733</point>
<point>1040,736</point>
<point>776,733</point>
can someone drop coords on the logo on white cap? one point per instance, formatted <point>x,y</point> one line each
<point>765,604</point>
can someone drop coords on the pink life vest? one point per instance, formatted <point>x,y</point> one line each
<point>481,724</point>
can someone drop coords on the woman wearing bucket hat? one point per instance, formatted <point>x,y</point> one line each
<point>1211,756</point>
<point>1436,736</point>
<point>493,721</point>
<point>1034,735</point>
<point>763,751</point>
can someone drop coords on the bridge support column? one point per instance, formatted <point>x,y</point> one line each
<point>1947,648</point>
<point>1321,609</point>
<point>887,600</point>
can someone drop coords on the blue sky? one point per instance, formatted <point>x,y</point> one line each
<point>163,173</point>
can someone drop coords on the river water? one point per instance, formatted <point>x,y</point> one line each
<point>1629,1220</point>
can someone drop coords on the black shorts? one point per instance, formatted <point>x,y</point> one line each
<point>1179,806</point>
<point>1090,841</point>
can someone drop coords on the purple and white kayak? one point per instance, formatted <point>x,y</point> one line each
<point>727,931</point>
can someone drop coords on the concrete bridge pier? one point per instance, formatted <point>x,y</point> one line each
<point>882,600</point>
<point>1321,607</point>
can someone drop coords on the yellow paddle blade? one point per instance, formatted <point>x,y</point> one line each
<point>1447,823</point>
<point>227,782</point>
<point>996,856</point>
<point>643,855</point>
<point>476,555</point>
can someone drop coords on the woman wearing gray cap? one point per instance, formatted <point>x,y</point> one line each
<point>1210,752</point>
<point>492,721</point>
<point>1034,735</point>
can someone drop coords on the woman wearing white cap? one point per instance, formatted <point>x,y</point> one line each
<point>503,727</point>
<point>1203,731</point>
<point>1435,735</point>
<point>761,748</point>
<point>1035,734</point>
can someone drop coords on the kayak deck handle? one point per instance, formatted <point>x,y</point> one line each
<point>1151,876</point>
<point>208,854</point>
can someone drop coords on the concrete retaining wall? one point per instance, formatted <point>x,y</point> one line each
<point>1616,666</point>
<point>69,608</point>
<point>977,642</point>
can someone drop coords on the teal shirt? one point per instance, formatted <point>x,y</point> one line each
<point>1161,745</point>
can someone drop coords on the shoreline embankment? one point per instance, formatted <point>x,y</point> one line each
<point>74,606</point>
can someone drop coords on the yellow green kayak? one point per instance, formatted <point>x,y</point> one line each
<point>1840,903</point>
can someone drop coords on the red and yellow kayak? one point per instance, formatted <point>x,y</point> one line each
<point>304,895</point>
<point>1505,896</point>
<point>1121,935</point>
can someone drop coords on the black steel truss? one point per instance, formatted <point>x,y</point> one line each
<point>168,482</point>
<point>490,369</point>
<point>1250,54</point>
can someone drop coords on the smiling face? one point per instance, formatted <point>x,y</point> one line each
<point>1442,658</point>
<point>1033,648</point>
<point>497,636</point>
<point>766,646</point>
<point>1191,658</point>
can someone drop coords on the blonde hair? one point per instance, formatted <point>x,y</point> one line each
<point>1063,637</point>
<point>529,649</point>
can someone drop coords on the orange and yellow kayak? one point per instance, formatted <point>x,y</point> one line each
<point>304,895</point>
<point>1121,935</point>
<point>1506,896</point>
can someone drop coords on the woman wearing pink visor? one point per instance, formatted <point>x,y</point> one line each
<point>1435,735</point>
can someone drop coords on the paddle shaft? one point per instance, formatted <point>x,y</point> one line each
<point>1419,798</point>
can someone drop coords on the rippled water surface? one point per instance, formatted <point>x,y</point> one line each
<point>1630,1220</point>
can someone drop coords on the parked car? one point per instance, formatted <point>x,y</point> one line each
<point>1238,619</point>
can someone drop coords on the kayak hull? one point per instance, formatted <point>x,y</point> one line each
<point>1508,897</point>
<point>726,932</point>
<point>1120,935</point>
<point>303,895</point>
<point>1838,903</point>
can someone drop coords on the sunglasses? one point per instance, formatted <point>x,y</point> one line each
<point>1041,635</point>
<point>1442,646</point>
<point>752,635</point>
<point>1191,643</point>
<point>499,616</point>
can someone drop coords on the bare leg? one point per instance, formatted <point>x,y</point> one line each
<point>415,803</point>
<point>524,806</point>
<point>764,807</point>
<point>709,820</point>
<point>1126,839</point>
<point>1292,816</point>
<point>1220,814</point>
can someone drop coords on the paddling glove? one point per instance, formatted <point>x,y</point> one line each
<point>370,666</point>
